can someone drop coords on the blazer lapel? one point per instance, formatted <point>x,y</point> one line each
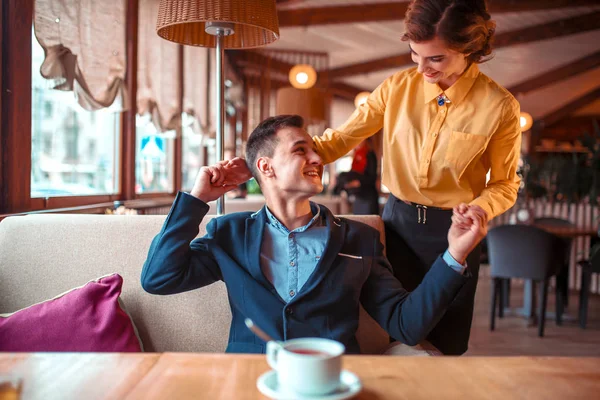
<point>335,240</point>
<point>255,226</point>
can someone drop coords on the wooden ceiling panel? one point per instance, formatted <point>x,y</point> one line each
<point>310,40</point>
<point>515,64</point>
<point>327,13</point>
<point>517,20</point>
<point>536,33</point>
<point>543,102</point>
<point>330,3</point>
<point>371,81</point>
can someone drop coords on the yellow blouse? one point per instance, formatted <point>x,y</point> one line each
<point>439,155</point>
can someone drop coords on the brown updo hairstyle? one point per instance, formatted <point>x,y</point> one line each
<point>465,26</point>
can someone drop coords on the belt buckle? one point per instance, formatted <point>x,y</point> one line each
<point>424,219</point>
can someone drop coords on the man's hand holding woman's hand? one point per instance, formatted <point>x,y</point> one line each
<point>469,227</point>
<point>214,181</point>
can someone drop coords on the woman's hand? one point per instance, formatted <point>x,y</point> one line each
<point>469,227</point>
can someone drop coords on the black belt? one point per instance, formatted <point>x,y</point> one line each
<point>422,210</point>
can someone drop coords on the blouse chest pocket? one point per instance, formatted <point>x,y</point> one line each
<point>462,149</point>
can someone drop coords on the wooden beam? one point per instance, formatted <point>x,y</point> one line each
<point>395,11</point>
<point>344,91</point>
<point>550,30</point>
<point>245,58</point>
<point>366,67</point>
<point>574,68</point>
<point>128,127</point>
<point>569,108</point>
<point>250,59</point>
<point>288,1</point>
<point>342,14</point>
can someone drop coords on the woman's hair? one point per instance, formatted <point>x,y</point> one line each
<point>465,25</point>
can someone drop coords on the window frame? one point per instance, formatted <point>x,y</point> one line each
<point>15,107</point>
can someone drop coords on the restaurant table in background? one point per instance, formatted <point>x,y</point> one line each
<point>98,376</point>
<point>529,292</point>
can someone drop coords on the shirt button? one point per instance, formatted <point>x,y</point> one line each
<point>291,263</point>
<point>427,161</point>
<point>443,111</point>
<point>289,311</point>
<point>435,135</point>
<point>292,293</point>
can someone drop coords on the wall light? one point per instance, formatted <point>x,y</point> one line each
<point>361,98</point>
<point>303,76</point>
<point>526,121</point>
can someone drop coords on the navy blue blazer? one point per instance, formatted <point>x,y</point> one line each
<point>327,305</point>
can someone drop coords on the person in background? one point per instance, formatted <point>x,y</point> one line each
<point>361,180</point>
<point>292,267</point>
<point>445,126</point>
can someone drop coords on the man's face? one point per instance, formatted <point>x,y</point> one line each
<point>295,167</point>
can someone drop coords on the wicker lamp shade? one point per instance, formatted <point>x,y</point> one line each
<point>254,22</point>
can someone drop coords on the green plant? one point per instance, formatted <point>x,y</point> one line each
<point>253,187</point>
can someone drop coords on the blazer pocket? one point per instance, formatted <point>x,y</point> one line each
<point>463,148</point>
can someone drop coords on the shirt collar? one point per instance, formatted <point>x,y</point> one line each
<point>314,208</point>
<point>457,92</point>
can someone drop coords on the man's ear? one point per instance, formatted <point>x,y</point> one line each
<point>263,164</point>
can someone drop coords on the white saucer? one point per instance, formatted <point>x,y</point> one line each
<point>269,386</point>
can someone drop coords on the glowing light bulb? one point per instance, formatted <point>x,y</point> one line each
<point>302,78</point>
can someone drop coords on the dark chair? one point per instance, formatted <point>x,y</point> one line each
<point>588,267</point>
<point>562,278</point>
<point>527,252</point>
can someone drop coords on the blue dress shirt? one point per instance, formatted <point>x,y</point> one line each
<point>288,258</point>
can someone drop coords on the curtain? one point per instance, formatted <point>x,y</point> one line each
<point>84,46</point>
<point>196,86</point>
<point>159,62</point>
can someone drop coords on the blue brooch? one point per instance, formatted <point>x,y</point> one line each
<point>442,99</point>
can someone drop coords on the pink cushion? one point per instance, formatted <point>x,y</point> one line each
<point>88,318</point>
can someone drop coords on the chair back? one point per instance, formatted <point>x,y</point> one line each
<point>553,222</point>
<point>595,259</point>
<point>523,251</point>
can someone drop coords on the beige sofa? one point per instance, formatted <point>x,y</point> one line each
<point>42,256</point>
<point>253,202</point>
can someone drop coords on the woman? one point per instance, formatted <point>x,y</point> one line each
<point>445,126</point>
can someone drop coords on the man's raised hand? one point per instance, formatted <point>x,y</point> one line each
<point>214,181</point>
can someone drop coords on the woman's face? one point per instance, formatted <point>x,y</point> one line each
<point>437,62</point>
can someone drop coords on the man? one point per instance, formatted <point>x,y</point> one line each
<point>294,268</point>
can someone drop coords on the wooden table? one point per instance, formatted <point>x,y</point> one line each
<point>150,376</point>
<point>568,231</point>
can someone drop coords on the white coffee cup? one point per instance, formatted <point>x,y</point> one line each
<point>307,366</point>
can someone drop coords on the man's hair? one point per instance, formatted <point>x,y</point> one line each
<point>263,139</point>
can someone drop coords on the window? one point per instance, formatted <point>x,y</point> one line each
<point>193,151</point>
<point>153,157</point>
<point>73,151</point>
